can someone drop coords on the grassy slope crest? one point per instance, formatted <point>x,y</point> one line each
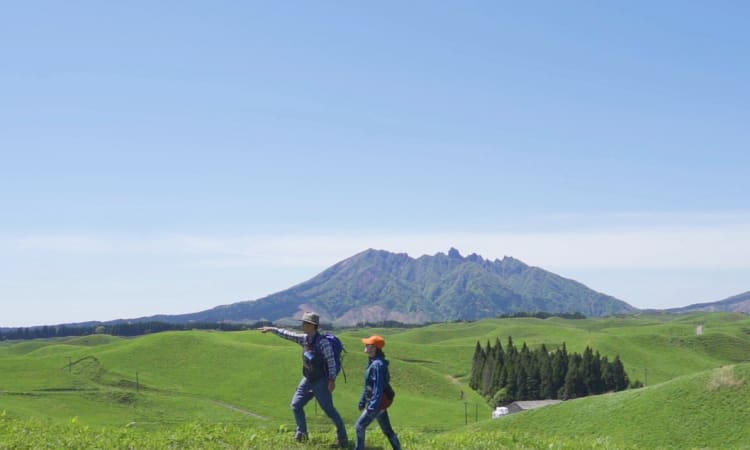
<point>247,378</point>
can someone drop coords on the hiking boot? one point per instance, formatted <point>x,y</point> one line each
<point>300,437</point>
<point>341,443</point>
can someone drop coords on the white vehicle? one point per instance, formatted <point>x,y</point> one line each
<point>499,412</point>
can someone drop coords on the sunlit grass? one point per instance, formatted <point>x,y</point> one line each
<point>242,382</point>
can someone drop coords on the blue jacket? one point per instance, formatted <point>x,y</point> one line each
<point>376,379</point>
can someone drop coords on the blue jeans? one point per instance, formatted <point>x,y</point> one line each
<point>385,424</point>
<point>318,389</point>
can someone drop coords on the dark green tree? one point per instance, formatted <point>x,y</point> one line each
<point>559,370</point>
<point>487,372</point>
<point>546,383</point>
<point>621,378</point>
<point>477,365</point>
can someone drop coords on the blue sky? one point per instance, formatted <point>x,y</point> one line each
<point>167,158</point>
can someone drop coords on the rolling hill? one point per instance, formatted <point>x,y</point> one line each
<point>215,385</point>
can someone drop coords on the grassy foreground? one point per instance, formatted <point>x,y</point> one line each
<point>231,390</point>
<point>34,434</point>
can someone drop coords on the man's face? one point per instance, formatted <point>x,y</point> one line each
<point>308,328</point>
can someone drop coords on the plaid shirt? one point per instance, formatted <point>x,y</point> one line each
<point>323,347</point>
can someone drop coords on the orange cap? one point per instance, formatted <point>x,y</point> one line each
<point>375,340</point>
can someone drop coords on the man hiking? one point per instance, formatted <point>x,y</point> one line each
<point>319,376</point>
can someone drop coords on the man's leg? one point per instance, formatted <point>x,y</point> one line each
<point>302,395</point>
<point>325,399</point>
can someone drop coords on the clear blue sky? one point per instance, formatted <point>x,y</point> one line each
<point>168,157</point>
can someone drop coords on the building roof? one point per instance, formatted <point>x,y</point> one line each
<point>532,404</point>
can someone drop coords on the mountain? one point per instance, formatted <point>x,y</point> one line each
<point>737,303</point>
<point>377,285</point>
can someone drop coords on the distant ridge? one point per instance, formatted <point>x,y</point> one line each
<point>736,303</point>
<point>377,285</point>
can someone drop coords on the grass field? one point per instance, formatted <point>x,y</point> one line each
<point>235,387</point>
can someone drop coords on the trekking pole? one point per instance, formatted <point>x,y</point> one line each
<point>343,353</point>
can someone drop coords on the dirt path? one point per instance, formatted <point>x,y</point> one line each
<point>239,410</point>
<point>454,380</point>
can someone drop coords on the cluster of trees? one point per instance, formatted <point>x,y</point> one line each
<point>515,315</point>
<point>141,328</point>
<point>542,315</point>
<point>505,375</point>
<point>387,324</point>
<point>118,329</point>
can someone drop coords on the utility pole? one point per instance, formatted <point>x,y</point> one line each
<point>70,364</point>
<point>645,376</point>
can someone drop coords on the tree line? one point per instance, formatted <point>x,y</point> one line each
<point>131,329</point>
<point>504,375</point>
<point>542,315</point>
<point>128,329</point>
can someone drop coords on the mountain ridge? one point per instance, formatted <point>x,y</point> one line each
<point>735,303</point>
<point>377,285</point>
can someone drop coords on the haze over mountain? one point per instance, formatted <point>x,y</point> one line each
<point>736,303</point>
<point>376,285</point>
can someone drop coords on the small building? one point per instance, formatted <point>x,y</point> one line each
<point>525,405</point>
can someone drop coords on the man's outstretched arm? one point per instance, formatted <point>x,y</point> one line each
<point>286,334</point>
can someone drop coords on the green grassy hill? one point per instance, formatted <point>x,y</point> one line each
<point>246,380</point>
<point>709,409</point>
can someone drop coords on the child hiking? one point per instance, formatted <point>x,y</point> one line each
<point>319,370</point>
<point>377,394</point>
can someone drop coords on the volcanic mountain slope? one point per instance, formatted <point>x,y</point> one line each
<point>376,285</point>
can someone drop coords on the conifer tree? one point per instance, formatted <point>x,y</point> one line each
<point>498,377</point>
<point>546,385</point>
<point>559,370</point>
<point>620,377</point>
<point>522,384</point>
<point>608,378</point>
<point>477,365</point>
<point>588,374</point>
<point>512,384</point>
<point>597,386</point>
<point>487,371</point>
<point>574,386</point>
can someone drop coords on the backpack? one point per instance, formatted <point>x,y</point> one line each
<point>338,349</point>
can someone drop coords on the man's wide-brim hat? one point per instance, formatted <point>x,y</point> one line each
<point>310,317</point>
<point>375,340</point>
